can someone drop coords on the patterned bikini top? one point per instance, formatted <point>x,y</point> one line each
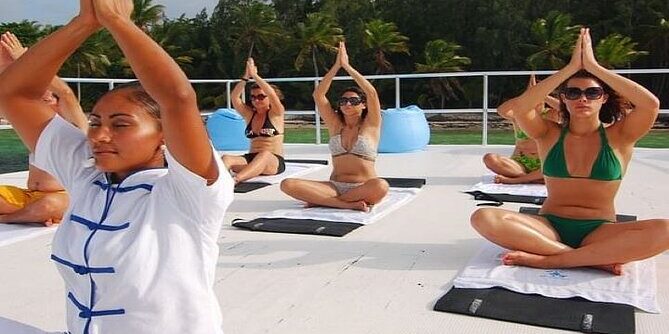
<point>361,148</point>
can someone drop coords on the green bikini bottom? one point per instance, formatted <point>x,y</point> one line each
<point>529,163</point>
<point>573,231</point>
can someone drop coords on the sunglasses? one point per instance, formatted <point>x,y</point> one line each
<point>591,93</point>
<point>354,100</point>
<point>258,97</point>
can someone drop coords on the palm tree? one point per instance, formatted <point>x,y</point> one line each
<point>657,37</point>
<point>255,23</point>
<point>441,56</point>
<point>617,51</point>
<point>383,37</point>
<point>319,31</point>
<point>91,58</point>
<point>553,40</point>
<point>146,14</point>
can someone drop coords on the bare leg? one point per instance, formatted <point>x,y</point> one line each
<point>48,210</point>
<point>536,176</point>
<point>608,244</point>
<point>371,192</point>
<point>512,230</point>
<point>265,163</point>
<point>6,208</point>
<point>502,165</point>
<point>318,193</point>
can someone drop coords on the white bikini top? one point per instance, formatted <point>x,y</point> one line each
<point>362,147</point>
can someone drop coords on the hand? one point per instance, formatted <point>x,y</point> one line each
<point>533,81</point>
<point>111,11</point>
<point>589,61</point>
<point>11,44</point>
<point>87,13</point>
<point>576,61</point>
<point>5,58</point>
<point>251,68</point>
<point>342,55</point>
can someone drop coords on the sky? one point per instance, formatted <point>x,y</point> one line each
<point>61,11</point>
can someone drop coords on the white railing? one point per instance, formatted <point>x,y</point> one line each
<point>484,110</point>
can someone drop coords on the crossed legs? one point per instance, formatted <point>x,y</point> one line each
<point>535,243</point>
<point>510,171</point>
<point>264,163</point>
<point>324,193</point>
<point>48,210</point>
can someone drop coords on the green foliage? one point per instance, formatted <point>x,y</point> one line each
<point>553,40</point>
<point>146,14</point>
<point>383,37</point>
<point>617,51</point>
<point>319,31</point>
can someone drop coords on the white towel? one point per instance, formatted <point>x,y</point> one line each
<point>15,327</point>
<point>538,190</point>
<point>292,170</point>
<point>11,233</point>
<point>396,198</point>
<point>637,286</point>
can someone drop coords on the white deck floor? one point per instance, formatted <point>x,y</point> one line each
<point>381,278</point>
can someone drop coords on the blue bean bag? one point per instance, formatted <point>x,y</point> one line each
<point>403,130</point>
<point>226,130</point>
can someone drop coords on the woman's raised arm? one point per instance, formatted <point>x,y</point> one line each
<point>164,81</point>
<point>24,82</point>
<point>277,106</point>
<point>373,104</point>
<point>320,93</point>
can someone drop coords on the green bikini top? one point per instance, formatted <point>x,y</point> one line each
<point>606,168</point>
<point>519,134</point>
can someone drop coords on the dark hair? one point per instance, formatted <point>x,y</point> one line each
<point>138,95</point>
<point>614,108</point>
<point>363,96</point>
<point>276,89</point>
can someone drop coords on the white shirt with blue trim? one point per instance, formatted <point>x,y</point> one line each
<point>139,256</point>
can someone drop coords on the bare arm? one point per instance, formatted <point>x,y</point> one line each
<point>525,113</point>
<point>237,103</point>
<point>162,78</point>
<point>646,105</point>
<point>320,94</point>
<point>373,105</point>
<point>21,86</point>
<point>277,106</point>
<point>68,104</point>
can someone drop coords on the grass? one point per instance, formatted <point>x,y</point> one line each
<point>14,156</point>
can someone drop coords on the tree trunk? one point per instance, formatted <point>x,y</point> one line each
<point>78,81</point>
<point>313,59</point>
<point>253,43</point>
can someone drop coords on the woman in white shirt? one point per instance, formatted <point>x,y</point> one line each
<point>137,246</point>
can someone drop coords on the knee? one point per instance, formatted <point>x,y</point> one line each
<point>379,190</point>
<point>483,220</point>
<point>288,185</point>
<point>490,159</point>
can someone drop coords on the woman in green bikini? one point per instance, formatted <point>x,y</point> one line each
<point>583,164</point>
<point>524,165</point>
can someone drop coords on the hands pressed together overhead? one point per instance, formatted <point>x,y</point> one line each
<point>583,56</point>
<point>104,12</point>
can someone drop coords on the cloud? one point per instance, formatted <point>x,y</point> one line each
<point>61,11</point>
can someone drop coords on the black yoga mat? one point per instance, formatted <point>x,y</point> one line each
<point>575,314</point>
<point>535,211</point>
<point>313,226</point>
<point>398,182</point>
<point>297,226</point>
<point>245,187</point>
<point>499,199</point>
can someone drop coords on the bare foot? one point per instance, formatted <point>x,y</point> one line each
<point>360,206</point>
<point>616,269</point>
<point>507,180</point>
<point>520,258</point>
<point>310,205</point>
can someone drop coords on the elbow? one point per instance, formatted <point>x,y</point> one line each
<point>183,96</point>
